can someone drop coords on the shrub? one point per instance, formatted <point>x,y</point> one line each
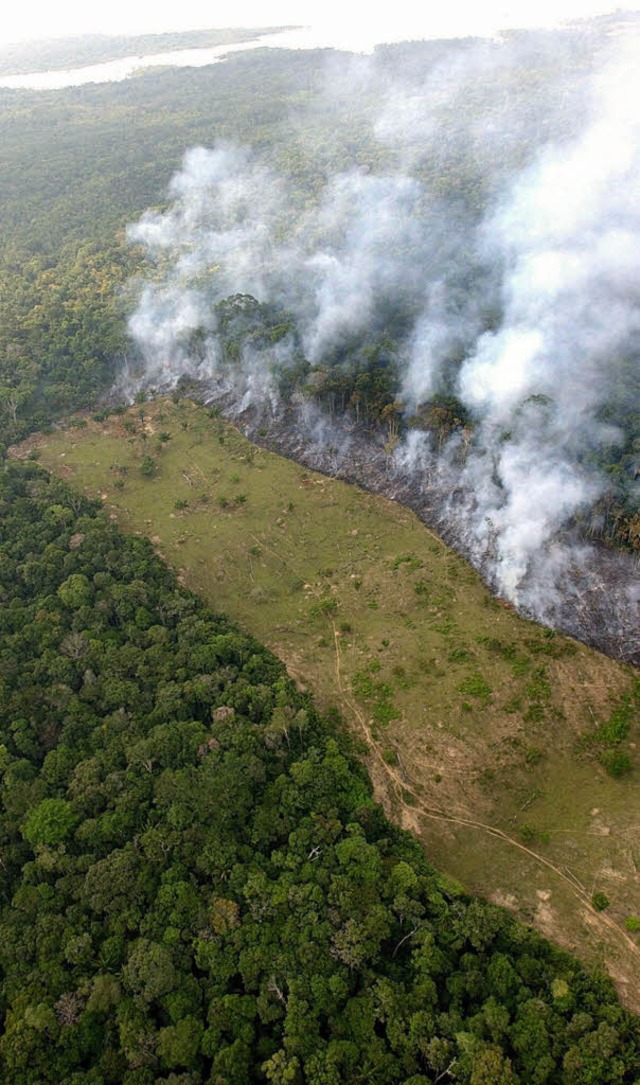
<point>325,606</point>
<point>148,467</point>
<point>616,763</point>
<point>384,712</point>
<point>617,726</point>
<point>600,902</point>
<point>476,686</point>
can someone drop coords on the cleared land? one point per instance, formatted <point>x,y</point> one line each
<point>485,734</point>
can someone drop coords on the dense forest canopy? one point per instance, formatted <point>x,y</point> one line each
<point>197,884</point>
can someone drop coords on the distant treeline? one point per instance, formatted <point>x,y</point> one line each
<point>73,52</point>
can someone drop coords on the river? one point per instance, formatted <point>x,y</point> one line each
<point>114,71</point>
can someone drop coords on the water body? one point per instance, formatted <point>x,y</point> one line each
<point>328,32</point>
<point>114,71</point>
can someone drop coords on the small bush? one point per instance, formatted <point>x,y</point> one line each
<point>476,686</point>
<point>384,712</point>
<point>362,685</point>
<point>325,606</point>
<point>527,833</point>
<point>459,655</point>
<point>616,728</point>
<point>600,902</point>
<point>616,763</point>
<point>148,467</point>
<point>514,704</point>
<point>410,560</point>
<point>538,689</point>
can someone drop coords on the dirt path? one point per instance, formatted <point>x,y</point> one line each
<point>400,786</point>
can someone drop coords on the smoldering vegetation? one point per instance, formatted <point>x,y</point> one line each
<point>457,277</point>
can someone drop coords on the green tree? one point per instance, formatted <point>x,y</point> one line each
<point>50,822</point>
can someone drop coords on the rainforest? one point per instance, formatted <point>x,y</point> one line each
<point>291,791</point>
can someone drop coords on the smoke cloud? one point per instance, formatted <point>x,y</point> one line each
<point>499,245</point>
<point>566,237</point>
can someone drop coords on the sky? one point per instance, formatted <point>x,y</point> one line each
<point>349,26</point>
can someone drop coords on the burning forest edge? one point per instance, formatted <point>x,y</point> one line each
<point>485,316</point>
<point>598,600</point>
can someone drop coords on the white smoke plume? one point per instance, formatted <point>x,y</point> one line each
<point>567,237</point>
<point>520,295</point>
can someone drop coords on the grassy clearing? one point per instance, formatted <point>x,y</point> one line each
<point>487,735</point>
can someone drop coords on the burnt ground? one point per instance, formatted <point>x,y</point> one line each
<point>595,599</point>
